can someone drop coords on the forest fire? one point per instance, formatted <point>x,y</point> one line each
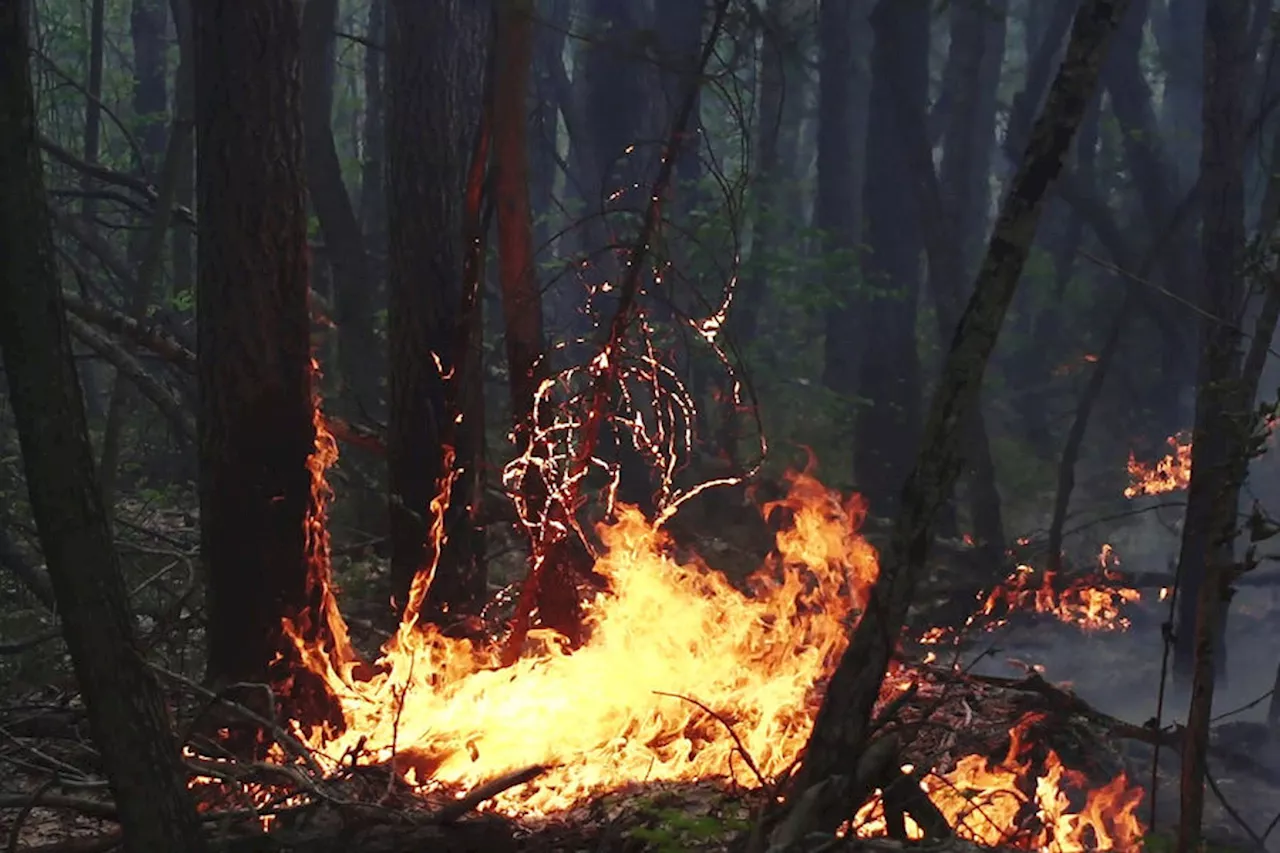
<point>1170,473</point>
<point>1093,602</point>
<point>669,642</point>
<point>1009,802</point>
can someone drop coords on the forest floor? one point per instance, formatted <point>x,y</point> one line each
<point>52,799</point>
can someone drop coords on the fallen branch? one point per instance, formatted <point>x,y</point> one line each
<point>487,791</point>
<point>162,397</point>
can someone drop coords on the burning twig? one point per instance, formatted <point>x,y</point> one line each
<point>563,501</point>
<point>742,749</point>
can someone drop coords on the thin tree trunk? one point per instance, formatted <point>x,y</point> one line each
<point>126,707</point>
<point>184,100</point>
<point>1220,452</point>
<point>842,724</point>
<point>358,356</point>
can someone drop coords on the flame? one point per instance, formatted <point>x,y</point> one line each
<point>1168,474</point>
<point>1093,602</point>
<point>677,654</point>
<point>596,714</point>
<point>1009,803</point>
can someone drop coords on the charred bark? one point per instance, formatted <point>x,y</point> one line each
<point>126,707</point>
<point>840,730</point>
<point>254,348</point>
<point>435,79</point>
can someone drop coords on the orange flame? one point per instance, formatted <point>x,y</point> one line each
<point>613,712</point>
<point>1169,474</point>
<point>1008,803</point>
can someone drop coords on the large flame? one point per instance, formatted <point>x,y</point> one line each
<point>611,713</point>
<point>669,640</point>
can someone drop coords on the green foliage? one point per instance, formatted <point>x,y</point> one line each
<point>675,830</point>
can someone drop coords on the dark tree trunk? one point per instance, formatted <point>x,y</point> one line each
<point>126,707</point>
<point>373,197</point>
<point>842,26</point>
<point>842,725</point>
<point>147,19</point>
<point>551,89</point>
<point>184,98</point>
<point>256,411</point>
<point>359,359</point>
<point>1155,181</point>
<point>973,73</point>
<point>1183,60</point>
<point>1224,397</point>
<point>888,423</point>
<point>435,79</point>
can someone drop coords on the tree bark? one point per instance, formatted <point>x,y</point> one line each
<point>521,298</point>
<point>837,213</point>
<point>1219,452</point>
<point>435,81</point>
<point>256,409</point>
<point>125,704</point>
<point>841,727</point>
<point>888,420</point>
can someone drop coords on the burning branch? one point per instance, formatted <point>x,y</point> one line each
<point>556,520</point>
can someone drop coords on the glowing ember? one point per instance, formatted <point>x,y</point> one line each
<point>1169,474</point>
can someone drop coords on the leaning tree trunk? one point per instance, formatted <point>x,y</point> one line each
<point>435,80</point>
<point>840,731</point>
<point>126,708</point>
<point>256,430</point>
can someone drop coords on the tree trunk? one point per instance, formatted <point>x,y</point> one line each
<point>125,704</point>
<point>521,297</point>
<point>842,88</point>
<point>888,421</point>
<point>435,79</point>
<point>184,98</point>
<point>973,71</point>
<point>841,727</point>
<point>256,410</point>
<point>358,354</point>
<point>1219,452</point>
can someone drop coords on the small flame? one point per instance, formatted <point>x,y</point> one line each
<point>1168,474</point>
<point>1008,803</point>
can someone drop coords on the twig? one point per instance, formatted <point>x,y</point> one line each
<point>1235,815</point>
<point>487,791</point>
<point>42,799</point>
<point>285,738</point>
<point>29,803</point>
<point>742,749</point>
